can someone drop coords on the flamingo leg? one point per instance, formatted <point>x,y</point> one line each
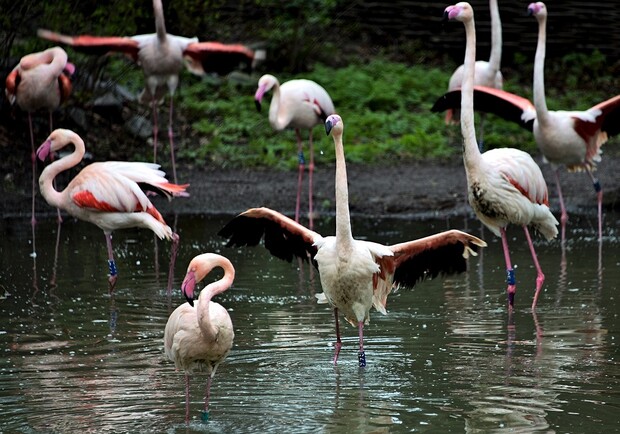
<point>361,355</point>
<point>171,138</point>
<point>33,158</point>
<point>186,398</point>
<point>310,171</point>
<point>599,199</point>
<point>111,262</point>
<point>302,165</point>
<point>52,160</point>
<point>540,277</point>
<point>205,413</point>
<point>510,272</point>
<point>155,128</point>
<point>173,257</point>
<point>338,340</point>
<point>564,214</point>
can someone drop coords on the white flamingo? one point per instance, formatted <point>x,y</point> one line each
<point>355,274</point>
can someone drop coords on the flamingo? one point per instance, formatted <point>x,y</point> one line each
<point>109,194</point>
<point>298,104</point>
<point>162,57</point>
<point>201,336</point>
<point>566,138</point>
<point>355,274</point>
<point>505,185</point>
<point>486,73</point>
<point>40,81</point>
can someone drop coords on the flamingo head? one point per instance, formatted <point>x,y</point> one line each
<point>188,286</point>
<point>537,9</point>
<point>265,83</point>
<point>334,122</point>
<point>460,12</point>
<point>58,139</point>
<point>197,270</point>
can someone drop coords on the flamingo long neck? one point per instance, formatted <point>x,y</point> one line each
<point>496,37</point>
<point>46,180</point>
<point>274,108</point>
<point>160,23</point>
<point>542,113</point>
<point>210,330</point>
<point>344,236</point>
<point>471,153</point>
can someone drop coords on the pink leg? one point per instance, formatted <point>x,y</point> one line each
<point>205,413</point>
<point>173,257</point>
<point>33,158</point>
<point>599,199</point>
<point>361,355</point>
<point>310,171</point>
<point>155,128</point>
<point>510,272</point>
<point>171,138</point>
<point>338,340</point>
<point>540,277</point>
<point>186,398</point>
<point>52,159</point>
<point>302,165</point>
<point>564,215</point>
<point>111,262</point>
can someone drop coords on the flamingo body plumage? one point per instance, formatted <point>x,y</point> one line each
<point>110,195</point>
<point>199,337</point>
<point>355,274</point>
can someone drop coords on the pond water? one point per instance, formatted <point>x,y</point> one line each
<point>446,358</point>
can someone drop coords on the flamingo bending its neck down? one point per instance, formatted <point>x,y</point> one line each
<point>355,274</point>
<point>162,57</point>
<point>297,104</point>
<point>566,138</point>
<point>40,81</point>
<point>111,195</point>
<point>487,73</point>
<point>200,336</point>
<point>505,185</point>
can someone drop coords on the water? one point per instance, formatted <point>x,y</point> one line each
<point>446,358</point>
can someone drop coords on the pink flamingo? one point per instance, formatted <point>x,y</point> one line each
<point>505,185</point>
<point>162,57</point>
<point>566,138</point>
<point>355,274</point>
<point>40,81</point>
<point>110,194</point>
<point>200,336</point>
<point>298,104</point>
<point>486,73</point>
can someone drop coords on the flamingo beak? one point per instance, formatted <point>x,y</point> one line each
<point>187,287</point>
<point>258,96</point>
<point>44,150</point>
<point>69,69</point>
<point>328,127</point>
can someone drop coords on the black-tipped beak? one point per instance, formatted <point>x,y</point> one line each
<point>187,287</point>
<point>445,17</point>
<point>258,105</point>
<point>328,127</point>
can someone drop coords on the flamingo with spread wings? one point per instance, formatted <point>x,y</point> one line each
<point>111,195</point>
<point>566,138</point>
<point>355,274</point>
<point>162,57</point>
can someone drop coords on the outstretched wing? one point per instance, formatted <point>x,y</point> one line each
<point>283,237</point>
<point>94,44</point>
<point>504,104</point>
<point>219,58</point>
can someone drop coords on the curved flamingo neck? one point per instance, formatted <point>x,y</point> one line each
<point>160,23</point>
<point>208,329</point>
<point>274,108</point>
<point>540,101</point>
<point>53,197</point>
<point>471,153</point>
<point>344,236</point>
<point>496,37</point>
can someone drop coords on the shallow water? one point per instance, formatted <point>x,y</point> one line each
<point>446,358</point>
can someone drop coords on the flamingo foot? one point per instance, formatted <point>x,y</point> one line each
<point>540,279</point>
<point>337,352</point>
<point>361,357</point>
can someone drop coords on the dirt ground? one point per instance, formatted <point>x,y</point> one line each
<point>418,190</point>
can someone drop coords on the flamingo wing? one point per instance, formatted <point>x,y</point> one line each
<point>506,105</point>
<point>94,44</point>
<point>217,57</point>
<point>284,238</point>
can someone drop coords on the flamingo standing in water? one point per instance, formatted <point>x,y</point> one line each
<point>566,138</point>
<point>201,336</point>
<point>298,104</point>
<point>110,194</point>
<point>40,81</point>
<point>505,185</point>
<point>162,57</point>
<point>355,275</point>
<point>486,73</point>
